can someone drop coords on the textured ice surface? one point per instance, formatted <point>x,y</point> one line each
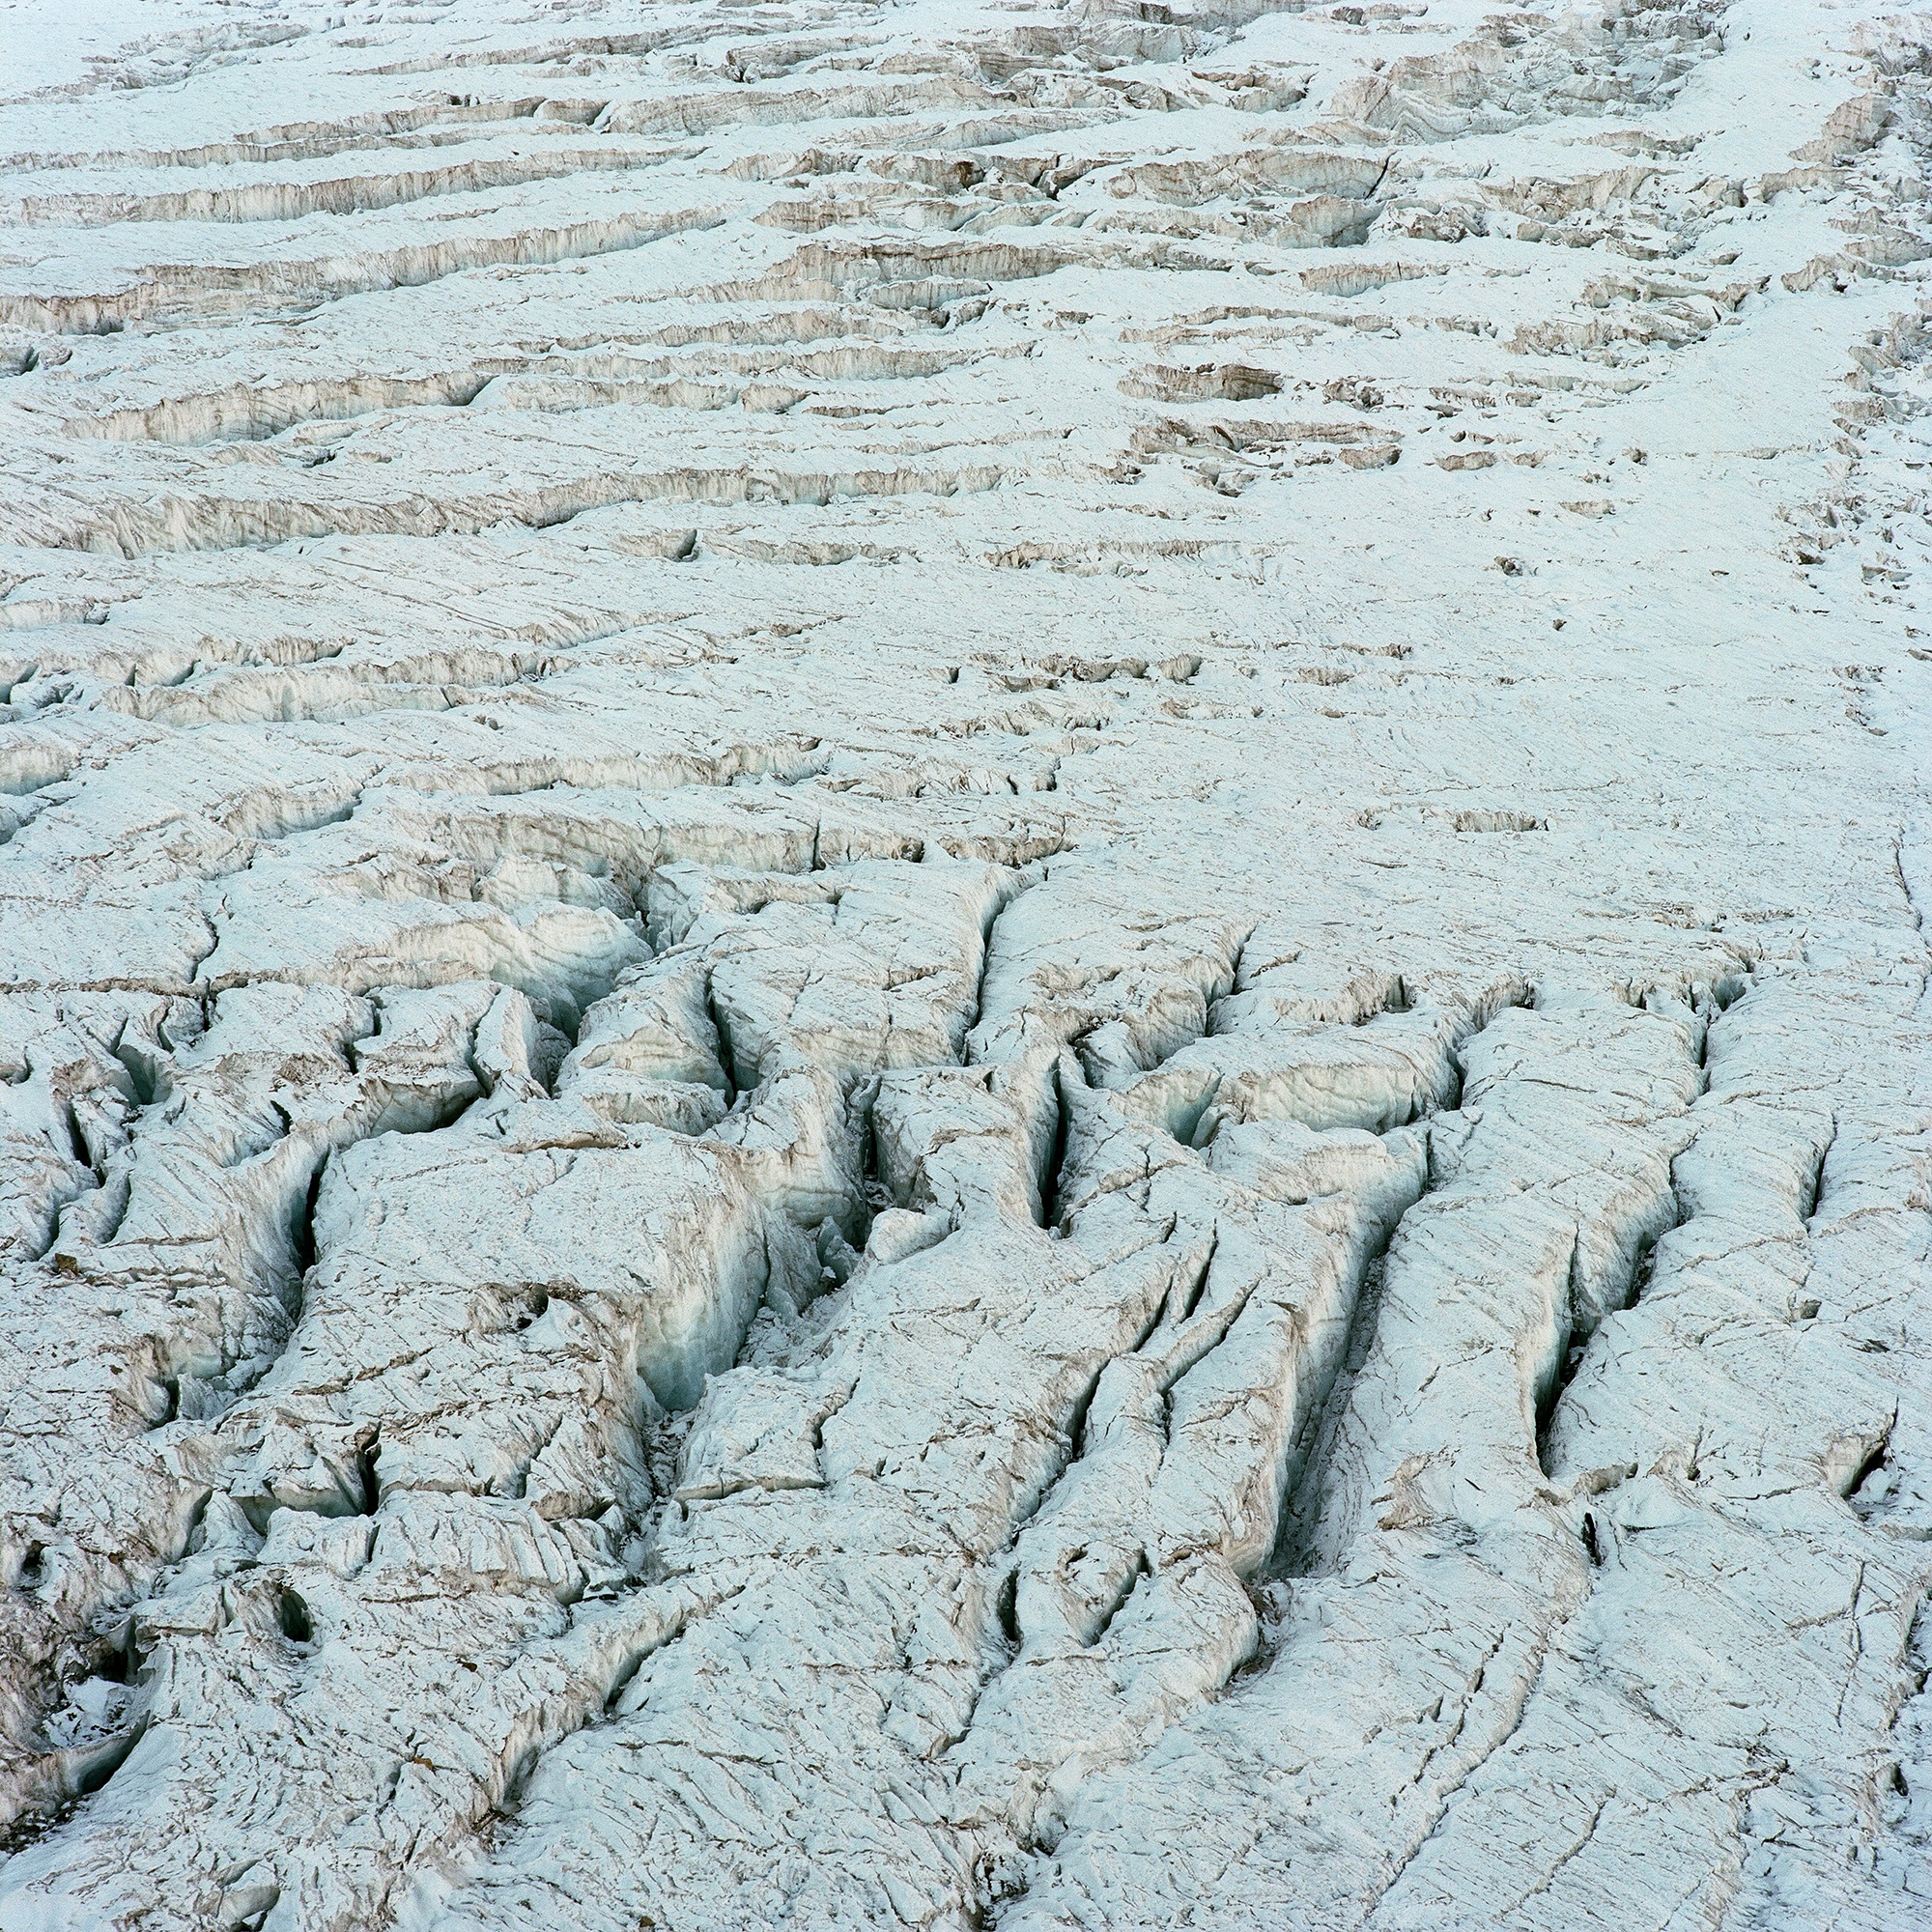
<point>963,965</point>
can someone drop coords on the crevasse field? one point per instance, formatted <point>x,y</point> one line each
<point>963,966</point>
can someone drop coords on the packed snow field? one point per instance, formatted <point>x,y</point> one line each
<point>963,965</point>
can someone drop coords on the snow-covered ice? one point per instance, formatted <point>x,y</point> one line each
<point>963,965</point>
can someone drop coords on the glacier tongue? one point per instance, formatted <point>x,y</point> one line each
<point>965,965</point>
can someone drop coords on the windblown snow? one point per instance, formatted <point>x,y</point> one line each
<point>963,965</point>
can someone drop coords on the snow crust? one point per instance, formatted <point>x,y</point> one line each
<point>963,965</point>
